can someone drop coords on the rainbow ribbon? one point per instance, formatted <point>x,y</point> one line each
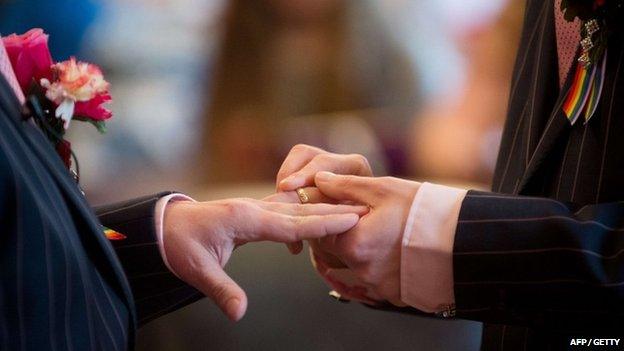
<point>585,92</point>
<point>112,235</point>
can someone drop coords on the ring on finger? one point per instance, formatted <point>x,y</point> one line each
<point>303,196</point>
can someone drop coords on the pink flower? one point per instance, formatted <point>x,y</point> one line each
<point>30,56</point>
<point>77,81</point>
<point>94,108</point>
<point>79,89</point>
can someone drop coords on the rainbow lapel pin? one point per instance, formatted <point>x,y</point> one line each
<point>113,235</point>
<point>585,91</point>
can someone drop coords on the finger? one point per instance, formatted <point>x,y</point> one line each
<point>314,209</point>
<point>216,284</point>
<point>298,157</point>
<point>289,197</point>
<point>314,197</point>
<point>341,164</point>
<point>364,190</point>
<point>295,248</point>
<point>288,229</point>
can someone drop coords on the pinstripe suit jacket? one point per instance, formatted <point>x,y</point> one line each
<point>541,258</point>
<point>62,284</point>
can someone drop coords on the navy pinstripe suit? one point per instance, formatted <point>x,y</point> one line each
<point>62,284</point>
<point>541,258</point>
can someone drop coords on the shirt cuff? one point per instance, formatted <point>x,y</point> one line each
<point>427,248</point>
<point>159,218</point>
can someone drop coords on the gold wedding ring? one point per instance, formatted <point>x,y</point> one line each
<point>303,196</point>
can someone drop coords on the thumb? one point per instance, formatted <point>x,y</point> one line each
<point>216,284</point>
<point>347,187</point>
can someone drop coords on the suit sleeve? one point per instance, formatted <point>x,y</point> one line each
<point>539,262</point>
<point>157,291</point>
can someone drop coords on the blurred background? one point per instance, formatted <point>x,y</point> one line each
<point>210,95</point>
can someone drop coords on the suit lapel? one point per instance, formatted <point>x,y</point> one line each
<point>543,142</point>
<point>556,124</point>
<point>75,200</point>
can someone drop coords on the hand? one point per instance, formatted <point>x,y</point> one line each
<point>304,161</point>
<point>200,238</point>
<point>372,249</point>
<point>302,164</point>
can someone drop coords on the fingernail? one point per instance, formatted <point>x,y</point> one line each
<point>354,219</point>
<point>297,248</point>
<point>287,182</point>
<point>324,176</point>
<point>232,308</point>
<point>363,210</point>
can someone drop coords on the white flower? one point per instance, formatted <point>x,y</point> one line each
<point>65,111</point>
<point>74,82</point>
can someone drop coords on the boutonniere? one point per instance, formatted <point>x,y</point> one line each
<point>57,93</point>
<point>598,19</point>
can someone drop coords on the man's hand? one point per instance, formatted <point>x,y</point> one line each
<point>304,161</point>
<point>372,249</point>
<point>199,238</point>
<point>300,167</point>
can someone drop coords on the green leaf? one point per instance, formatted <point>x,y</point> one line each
<point>99,125</point>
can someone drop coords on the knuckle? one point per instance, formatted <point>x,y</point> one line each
<point>299,148</point>
<point>294,226</point>
<point>362,165</point>
<point>323,158</point>
<point>384,185</point>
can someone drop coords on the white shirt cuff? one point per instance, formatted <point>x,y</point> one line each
<point>427,248</point>
<point>159,218</point>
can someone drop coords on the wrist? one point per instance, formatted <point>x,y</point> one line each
<point>174,213</point>
<point>169,217</point>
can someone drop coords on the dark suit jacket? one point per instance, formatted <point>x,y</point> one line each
<point>541,258</point>
<point>63,286</point>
